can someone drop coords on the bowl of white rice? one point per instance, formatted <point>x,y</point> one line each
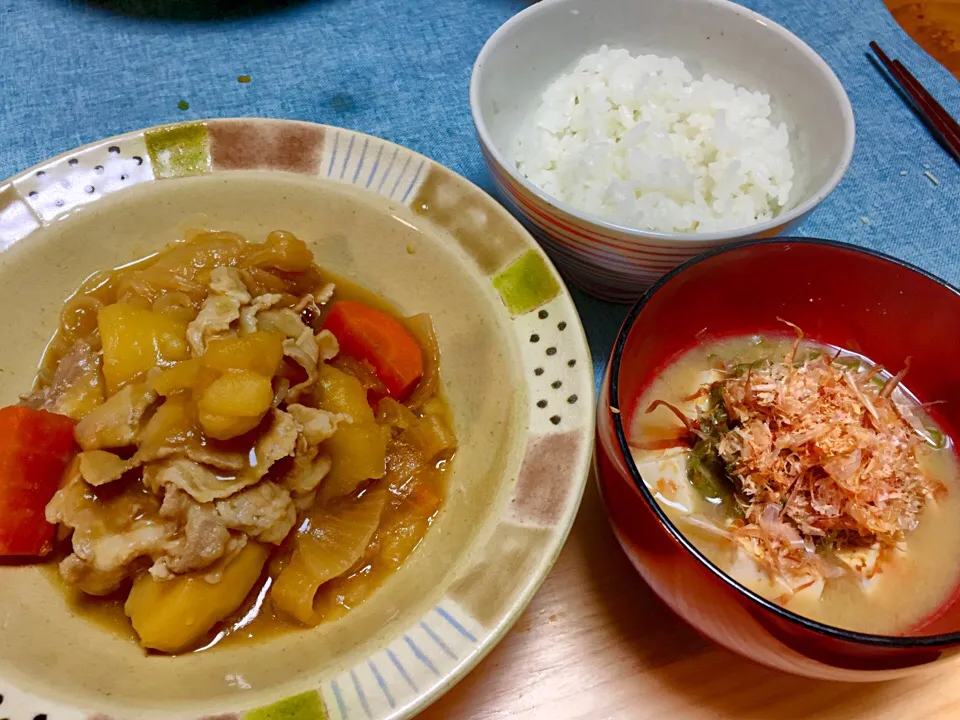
<point>631,135</point>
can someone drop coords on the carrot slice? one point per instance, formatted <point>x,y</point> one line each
<point>368,334</point>
<point>35,447</point>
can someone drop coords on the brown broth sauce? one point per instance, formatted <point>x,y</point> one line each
<point>907,590</point>
<point>403,525</point>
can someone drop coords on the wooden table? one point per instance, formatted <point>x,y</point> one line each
<point>596,643</point>
<point>935,25</point>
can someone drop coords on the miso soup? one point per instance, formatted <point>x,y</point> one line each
<point>809,475</point>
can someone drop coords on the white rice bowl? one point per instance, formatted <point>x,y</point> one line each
<point>636,140</point>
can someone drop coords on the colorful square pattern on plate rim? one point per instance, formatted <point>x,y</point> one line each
<point>414,668</point>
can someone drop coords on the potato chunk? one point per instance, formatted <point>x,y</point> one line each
<point>174,615</point>
<point>338,392</point>
<point>136,340</point>
<point>235,403</point>
<point>186,375</point>
<point>260,352</point>
<point>358,449</point>
<point>358,453</point>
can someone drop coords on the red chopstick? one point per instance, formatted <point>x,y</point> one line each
<point>943,127</point>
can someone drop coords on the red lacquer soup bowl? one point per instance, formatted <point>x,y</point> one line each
<point>840,295</point>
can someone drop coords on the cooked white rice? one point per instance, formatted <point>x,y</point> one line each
<point>636,140</point>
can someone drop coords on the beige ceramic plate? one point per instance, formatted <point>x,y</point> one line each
<point>515,365</point>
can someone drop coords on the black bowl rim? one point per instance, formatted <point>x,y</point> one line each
<point>890,641</point>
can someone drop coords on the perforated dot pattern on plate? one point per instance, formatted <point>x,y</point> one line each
<point>18,705</point>
<point>84,176</point>
<point>557,374</point>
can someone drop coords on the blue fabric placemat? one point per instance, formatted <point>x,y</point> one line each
<point>73,73</point>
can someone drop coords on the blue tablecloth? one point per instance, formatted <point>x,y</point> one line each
<point>73,73</point>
